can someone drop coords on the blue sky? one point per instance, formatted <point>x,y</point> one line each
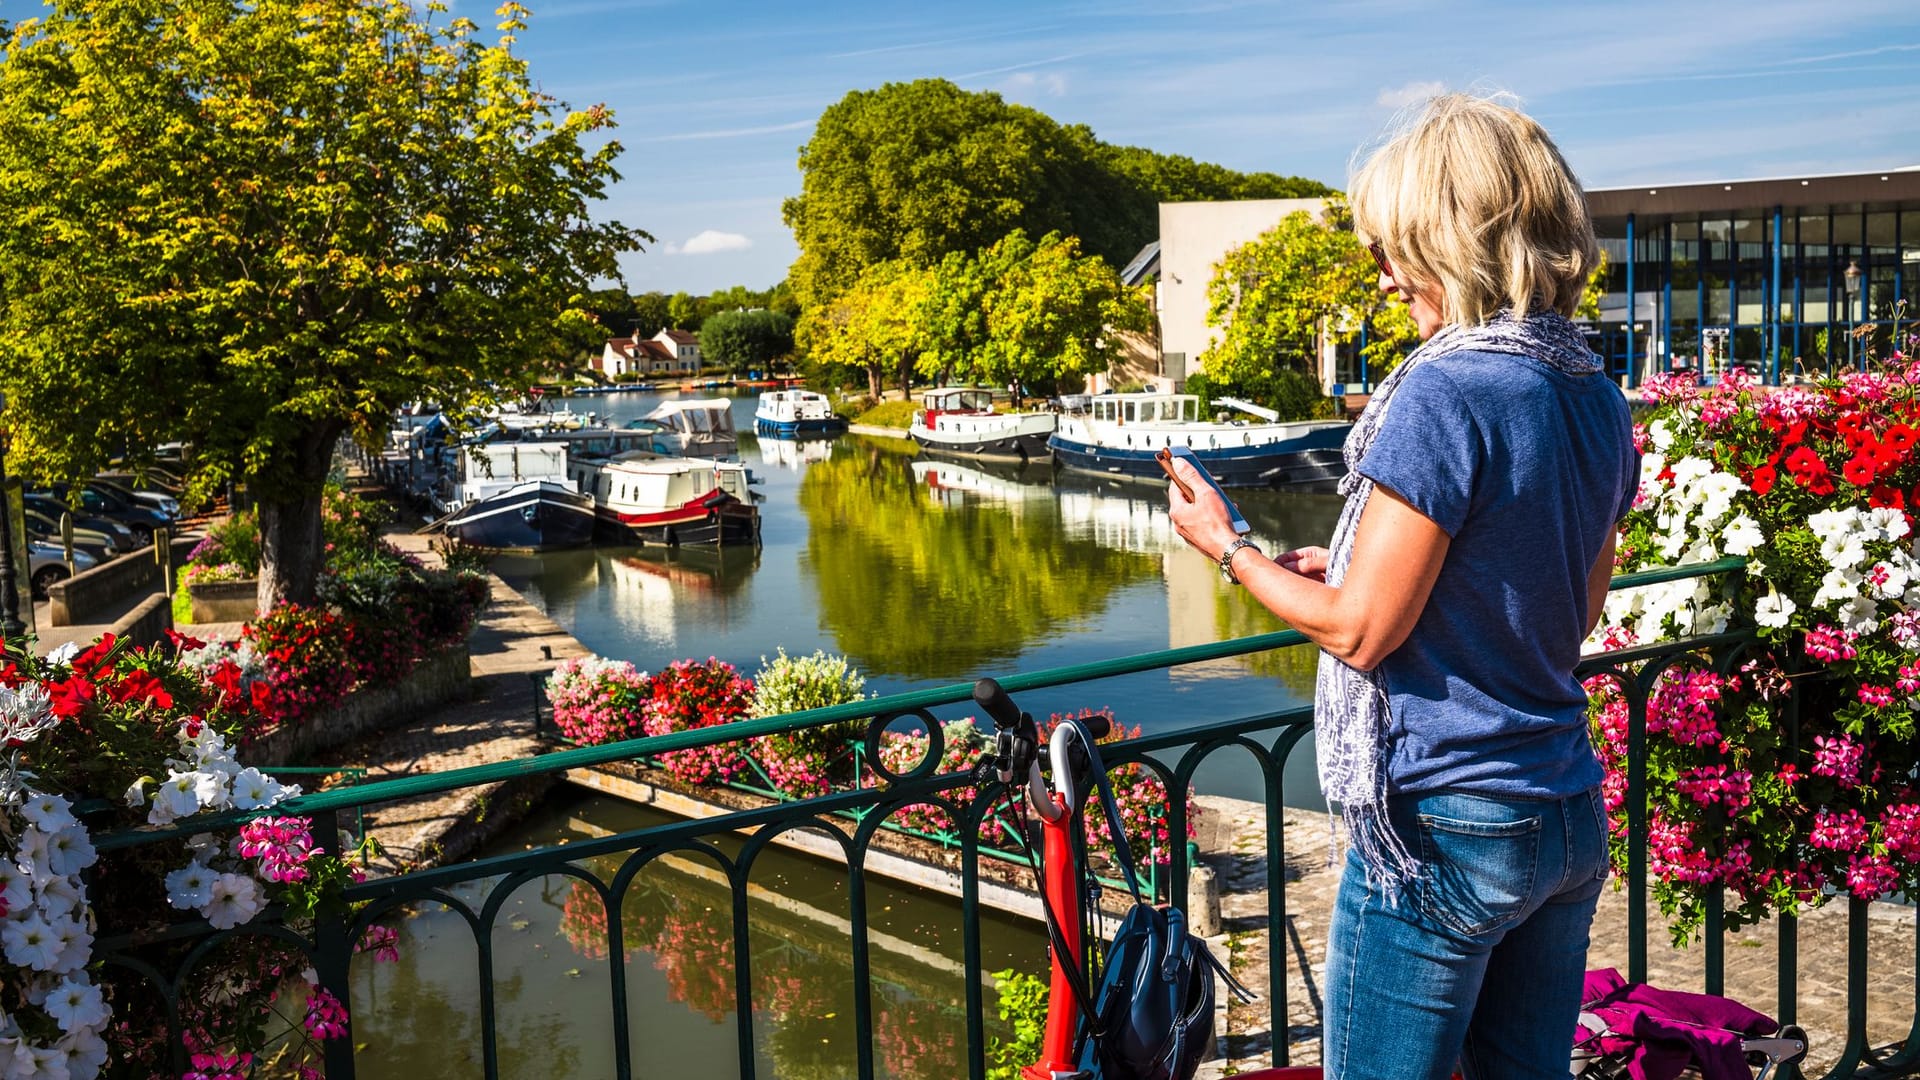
<point>714,97</point>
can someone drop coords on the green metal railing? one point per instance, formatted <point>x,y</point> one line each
<point>853,818</point>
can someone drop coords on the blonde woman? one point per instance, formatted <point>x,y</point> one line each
<point>1485,480</point>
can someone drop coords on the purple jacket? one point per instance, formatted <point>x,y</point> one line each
<point>1662,1032</point>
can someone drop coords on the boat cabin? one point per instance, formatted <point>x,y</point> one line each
<point>957,399</point>
<point>1145,408</point>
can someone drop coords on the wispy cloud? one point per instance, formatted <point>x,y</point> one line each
<point>709,242</point>
<point>1027,83</point>
<point>729,133</point>
<point>937,43</point>
<point>1857,52</point>
<point>984,72</point>
<point>1399,97</point>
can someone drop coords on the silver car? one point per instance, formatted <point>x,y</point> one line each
<point>49,566</point>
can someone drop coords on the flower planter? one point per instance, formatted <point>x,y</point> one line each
<point>442,677</point>
<point>224,601</point>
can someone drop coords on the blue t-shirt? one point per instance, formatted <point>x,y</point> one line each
<point>1527,469</point>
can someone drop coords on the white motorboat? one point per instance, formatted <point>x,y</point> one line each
<point>792,412</point>
<point>692,427</point>
<point>664,499</point>
<point>959,420</point>
<point>517,496</point>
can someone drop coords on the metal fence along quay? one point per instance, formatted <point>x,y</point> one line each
<point>854,818</point>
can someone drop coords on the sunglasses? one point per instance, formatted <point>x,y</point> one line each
<point>1380,258</point>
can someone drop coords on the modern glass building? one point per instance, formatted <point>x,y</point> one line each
<point>1776,275</point>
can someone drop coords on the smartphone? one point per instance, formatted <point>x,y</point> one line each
<point>1165,458</point>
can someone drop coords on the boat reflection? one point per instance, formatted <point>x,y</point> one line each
<point>789,452</point>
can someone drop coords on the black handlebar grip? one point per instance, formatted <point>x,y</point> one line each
<point>989,696</point>
<point>1100,725</point>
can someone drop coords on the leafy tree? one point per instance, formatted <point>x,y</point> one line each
<point>873,327</point>
<point>1596,288</point>
<point>746,340</point>
<point>1279,295</point>
<point>954,333</point>
<point>260,227</point>
<point>915,171</point>
<point>683,312</point>
<point>1056,313</point>
<point>650,314</point>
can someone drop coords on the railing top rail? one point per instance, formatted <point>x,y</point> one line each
<point>560,761</point>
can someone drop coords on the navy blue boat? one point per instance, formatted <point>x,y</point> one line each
<point>1119,434</point>
<point>538,515</point>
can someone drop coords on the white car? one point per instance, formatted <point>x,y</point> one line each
<point>49,566</point>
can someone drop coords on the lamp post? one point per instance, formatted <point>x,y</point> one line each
<point>1853,276</point>
<point>11,628</point>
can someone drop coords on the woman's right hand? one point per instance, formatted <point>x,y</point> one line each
<point>1308,562</point>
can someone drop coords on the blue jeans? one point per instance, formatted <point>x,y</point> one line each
<point>1478,962</point>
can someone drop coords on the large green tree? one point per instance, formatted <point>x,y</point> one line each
<point>746,340</point>
<point>913,171</point>
<point>258,226</point>
<point>1056,313</point>
<point>1276,296</point>
<point>875,326</point>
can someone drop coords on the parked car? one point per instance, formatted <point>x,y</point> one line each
<point>48,506</point>
<point>141,519</point>
<point>131,490</point>
<point>49,566</point>
<point>47,530</point>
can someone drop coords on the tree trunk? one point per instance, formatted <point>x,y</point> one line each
<point>906,380</point>
<point>873,381</point>
<point>292,543</point>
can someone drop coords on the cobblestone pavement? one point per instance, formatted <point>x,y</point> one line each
<point>512,641</point>
<point>1233,837</point>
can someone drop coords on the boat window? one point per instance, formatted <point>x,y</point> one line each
<point>1190,409</point>
<point>1133,411</point>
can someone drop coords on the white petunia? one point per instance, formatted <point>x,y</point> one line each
<point>1838,587</point>
<point>15,891</point>
<point>1688,473</point>
<point>76,945</point>
<point>253,789</point>
<point>38,1063</point>
<point>76,1004</point>
<point>236,899</point>
<point>1828,524</point>
<point>1860,615</point>
<point>1886,582</point>
<point>1743,535</point>
<point>63,654</point>
<point>86,1053</point>
<point>30,942</point>
<point>70,851</point>
<point>1773,610</point>
<point>203,846</point>
<point>1844,552</point>
<point>1891,523</point>
<point>60,896</point>
<point>190,886</point>
<point>137,792</point>
<point>31,851</point>
<point>1660,435</point>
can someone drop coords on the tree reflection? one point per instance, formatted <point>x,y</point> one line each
<point>916,588</point>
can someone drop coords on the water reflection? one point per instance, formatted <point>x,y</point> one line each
<point>942,587</point>
<point>794,453</point>
<point>552,954</point>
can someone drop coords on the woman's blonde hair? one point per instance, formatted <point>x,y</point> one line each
<point>1473,196</point>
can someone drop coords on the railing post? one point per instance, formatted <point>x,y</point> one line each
<point>333,963</point>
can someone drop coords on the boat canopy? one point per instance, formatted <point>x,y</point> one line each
<point>958,399</point>
<point>696,416</point>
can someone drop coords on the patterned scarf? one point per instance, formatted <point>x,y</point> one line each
<point>1351,709</point>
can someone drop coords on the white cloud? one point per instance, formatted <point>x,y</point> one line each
<point>709,242</point>
<point>1028,84</point>
<point>1399,97</point>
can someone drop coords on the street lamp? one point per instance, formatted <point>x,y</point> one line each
<point>1853,276</point>
<point>11,628</point>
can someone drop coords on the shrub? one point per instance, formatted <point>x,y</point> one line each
<point>812,761</point>
<point>596,700</point>
<point>690,695</point>
<point>901,751</point>
<point>891,414</point>
<point>235,541</point>
<point>309,664</point>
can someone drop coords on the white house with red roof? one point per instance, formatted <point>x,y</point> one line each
<point>669,352</point>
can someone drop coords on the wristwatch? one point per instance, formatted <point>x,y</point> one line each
<point>1226,558</point>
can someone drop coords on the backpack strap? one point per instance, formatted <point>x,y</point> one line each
<point>1098,768</point>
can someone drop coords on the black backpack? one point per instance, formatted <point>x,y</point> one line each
<point>1151,1017</point>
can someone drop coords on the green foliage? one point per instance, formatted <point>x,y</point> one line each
<point>1022,1002</point>
<point>1596,287</point>
<point>1055,313</point>
<point>873,327</point>
<point>893,414</point>
<point>257,228</point>
<point>1295,395</point>
<point>683,312</point>
<point>1276,295</point>
<point>1391,335</point>
<point>788,684</point>
<point>746,341</point>
<point>915,170</point>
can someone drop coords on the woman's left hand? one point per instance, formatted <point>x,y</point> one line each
<point>1204,522</point>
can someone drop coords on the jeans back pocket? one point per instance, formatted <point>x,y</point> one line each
<point>1477,876</point>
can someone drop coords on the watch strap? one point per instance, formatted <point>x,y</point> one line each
<point>1226,558</point>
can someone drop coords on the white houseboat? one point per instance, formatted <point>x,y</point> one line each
<point>692,427</point>
<point>791,412</point>
<point>956,420</point>
<point>1121,433</point>
<point>662,499</point>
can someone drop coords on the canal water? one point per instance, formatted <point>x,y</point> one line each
<point>923,573</point>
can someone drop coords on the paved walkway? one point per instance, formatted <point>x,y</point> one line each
<point>512,641</point>
<point>1233,835</point>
